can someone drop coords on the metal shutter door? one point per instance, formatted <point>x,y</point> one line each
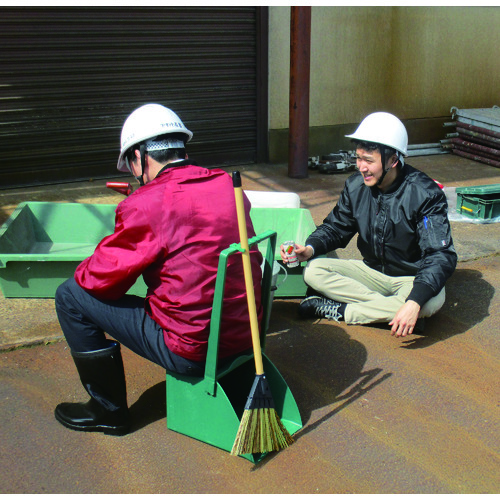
<point>70,76</point>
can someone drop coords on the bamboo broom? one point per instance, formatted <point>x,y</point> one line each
<point>261,429</point>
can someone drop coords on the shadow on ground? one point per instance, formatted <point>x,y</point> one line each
<point>320,362</point>
<point>468,297</point>
<point>150,407</point>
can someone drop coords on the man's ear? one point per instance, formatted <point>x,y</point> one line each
<point>135,160</point>
<point>136,156</point>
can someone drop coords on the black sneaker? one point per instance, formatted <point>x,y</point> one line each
<point>320,307</point>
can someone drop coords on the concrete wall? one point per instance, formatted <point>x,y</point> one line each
<point>415,62</point>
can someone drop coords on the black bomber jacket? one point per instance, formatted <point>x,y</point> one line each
<point>403,231</point>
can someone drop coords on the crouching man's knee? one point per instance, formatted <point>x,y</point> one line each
<point>315,272</point>
<point>64,294</point>
<point>433,305</point>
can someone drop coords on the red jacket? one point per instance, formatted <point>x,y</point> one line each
<point>171,231</point>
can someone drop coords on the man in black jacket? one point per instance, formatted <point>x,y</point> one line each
<point>404,236</point>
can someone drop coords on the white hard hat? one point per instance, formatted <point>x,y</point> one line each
<point>383,128</point>
<point>147,122</point>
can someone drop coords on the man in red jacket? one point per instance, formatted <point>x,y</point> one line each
<point>171,231</point>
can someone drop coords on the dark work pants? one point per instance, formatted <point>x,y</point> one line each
<point>84,319</point>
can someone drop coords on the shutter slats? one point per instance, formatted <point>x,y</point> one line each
<point>70,76</point>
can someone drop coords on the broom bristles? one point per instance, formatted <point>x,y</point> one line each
<point>261,429</point>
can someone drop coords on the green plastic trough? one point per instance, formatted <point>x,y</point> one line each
<point>42,243</point>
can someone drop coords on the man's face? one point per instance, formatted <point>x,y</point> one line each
<point>369,163</point>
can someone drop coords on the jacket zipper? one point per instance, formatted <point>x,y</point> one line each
<point>380,223</point>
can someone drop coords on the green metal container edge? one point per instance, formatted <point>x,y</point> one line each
<point>293,287</point>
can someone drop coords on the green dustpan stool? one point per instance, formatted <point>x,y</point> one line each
<point>210,408</point>
<point>215,419</point>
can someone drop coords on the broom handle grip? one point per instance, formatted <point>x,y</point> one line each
<point>247,271</point>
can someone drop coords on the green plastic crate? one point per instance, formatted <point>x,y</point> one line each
<point>479,202</point>
<point>42,243</point>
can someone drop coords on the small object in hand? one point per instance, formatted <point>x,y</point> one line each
<point>290,252</point>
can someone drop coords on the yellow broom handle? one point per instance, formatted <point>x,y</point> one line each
<point>247,270</point>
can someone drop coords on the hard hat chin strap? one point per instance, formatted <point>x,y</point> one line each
<point>384,169</point>
<point>139,178</point>
<point>143,163</point>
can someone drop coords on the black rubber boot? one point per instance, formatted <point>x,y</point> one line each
<point>103,377</point>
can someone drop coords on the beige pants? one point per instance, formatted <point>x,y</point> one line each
<point>371,296</point>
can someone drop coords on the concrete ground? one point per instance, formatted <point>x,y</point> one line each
<point>380,414</point>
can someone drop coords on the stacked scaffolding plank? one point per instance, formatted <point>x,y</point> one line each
<point>478,134</point>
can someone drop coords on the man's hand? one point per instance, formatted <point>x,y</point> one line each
<point>405,319</point>
<point>303,253</point>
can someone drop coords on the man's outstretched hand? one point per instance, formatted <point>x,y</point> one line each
<point>405,319</point>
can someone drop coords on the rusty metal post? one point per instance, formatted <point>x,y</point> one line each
<point>300,55</point>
